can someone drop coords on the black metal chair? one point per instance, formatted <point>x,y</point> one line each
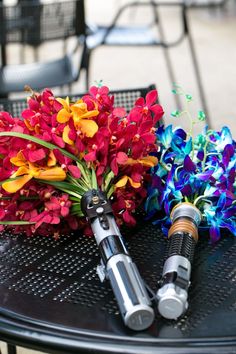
<point>144,36</point>
<point>33,23</point>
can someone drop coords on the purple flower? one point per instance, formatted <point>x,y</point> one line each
<point>201,171</point>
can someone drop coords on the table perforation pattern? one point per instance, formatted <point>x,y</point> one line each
<point>64,272</point>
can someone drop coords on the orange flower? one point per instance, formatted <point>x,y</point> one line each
<point>124,180</point>
<point>28,170</point>
<point>80,115</point>
<point>148,161</point>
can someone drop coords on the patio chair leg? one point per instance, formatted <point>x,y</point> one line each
<point>198,79</point>
<point>85,64</point>
<point>171,75</point>
<point>87,68</point>
<point>166,53</point>
<point>11,349</point>
<point>197,71</point>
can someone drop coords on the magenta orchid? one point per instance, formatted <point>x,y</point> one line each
<point>61,149</point>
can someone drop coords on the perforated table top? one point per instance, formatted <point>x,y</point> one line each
<point>52,300</point>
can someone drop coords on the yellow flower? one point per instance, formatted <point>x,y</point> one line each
<point>80,115</point>
<point>28,170</point>
<point>51,159</point>
<point>65,135</point>
<point>124,180</point>
<point>148,161</point>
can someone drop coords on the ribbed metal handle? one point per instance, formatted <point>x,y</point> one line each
<point>181,244</point>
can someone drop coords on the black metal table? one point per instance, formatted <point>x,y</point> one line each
<point>52,300</point>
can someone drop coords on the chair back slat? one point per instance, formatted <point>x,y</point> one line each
<point>31,22</point>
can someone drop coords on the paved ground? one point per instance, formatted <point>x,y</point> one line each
<point>214,33</point>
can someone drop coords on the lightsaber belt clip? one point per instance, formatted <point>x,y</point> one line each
<point>116,263</point>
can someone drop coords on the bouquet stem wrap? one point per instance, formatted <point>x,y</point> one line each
<point>182,238</point>
<point>126,282</point>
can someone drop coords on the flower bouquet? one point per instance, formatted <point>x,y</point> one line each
<point>67,163</point>
<point>194,184</point>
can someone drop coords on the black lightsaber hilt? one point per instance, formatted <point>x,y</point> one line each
<point>182,238</point>
<point>124,277</point>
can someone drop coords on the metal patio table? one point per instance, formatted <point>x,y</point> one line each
<point>52,299</point>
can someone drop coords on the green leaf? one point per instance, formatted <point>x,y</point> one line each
<point>94,179</point>
<point>110,192</point>
<point>83,170</point>
<point>76,209</point>
<point>79,183</point>
<point>189,97</point>
<point>17,222</point>
<point>175,113</point>
<point>99,83</point>
<point>201,116</point>
<point>200,139</point>
<point>75,199</point>
<point>66,187</point>
<point>108,179</point>
<point>40,142</point>
<point>62,184</point>
<point>177,89</point>
<point>77,213</point>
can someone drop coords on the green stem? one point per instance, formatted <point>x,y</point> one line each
<point>176,170</point>
<point>79,183</point>
<point>191,126</point>
<point>205,156</point>
<point>22,198</point>
<point>201,198</point>
<point>164,165</point>
<point>110,192</point>
<point>40,142</point>
<point>17,222</point>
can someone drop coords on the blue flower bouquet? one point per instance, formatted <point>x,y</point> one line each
<point>193,187</point>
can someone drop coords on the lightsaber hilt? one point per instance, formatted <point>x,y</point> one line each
<point>126,282</point>
<point>182,238</point>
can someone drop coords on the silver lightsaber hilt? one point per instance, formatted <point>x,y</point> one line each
<point>126,282</point>
<point>172,295</point>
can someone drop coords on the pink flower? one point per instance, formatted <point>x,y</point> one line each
<point>118,146</point>
<point>60,205</point>
<point>40,118</point>
<point>102,98</point>
<point>147,107</point>
<point>46,217</point>
<point>66,164</point>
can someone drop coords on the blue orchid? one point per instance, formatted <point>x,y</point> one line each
<point>176,139</point>
<point>221,215</point>
<point>200,170</point>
